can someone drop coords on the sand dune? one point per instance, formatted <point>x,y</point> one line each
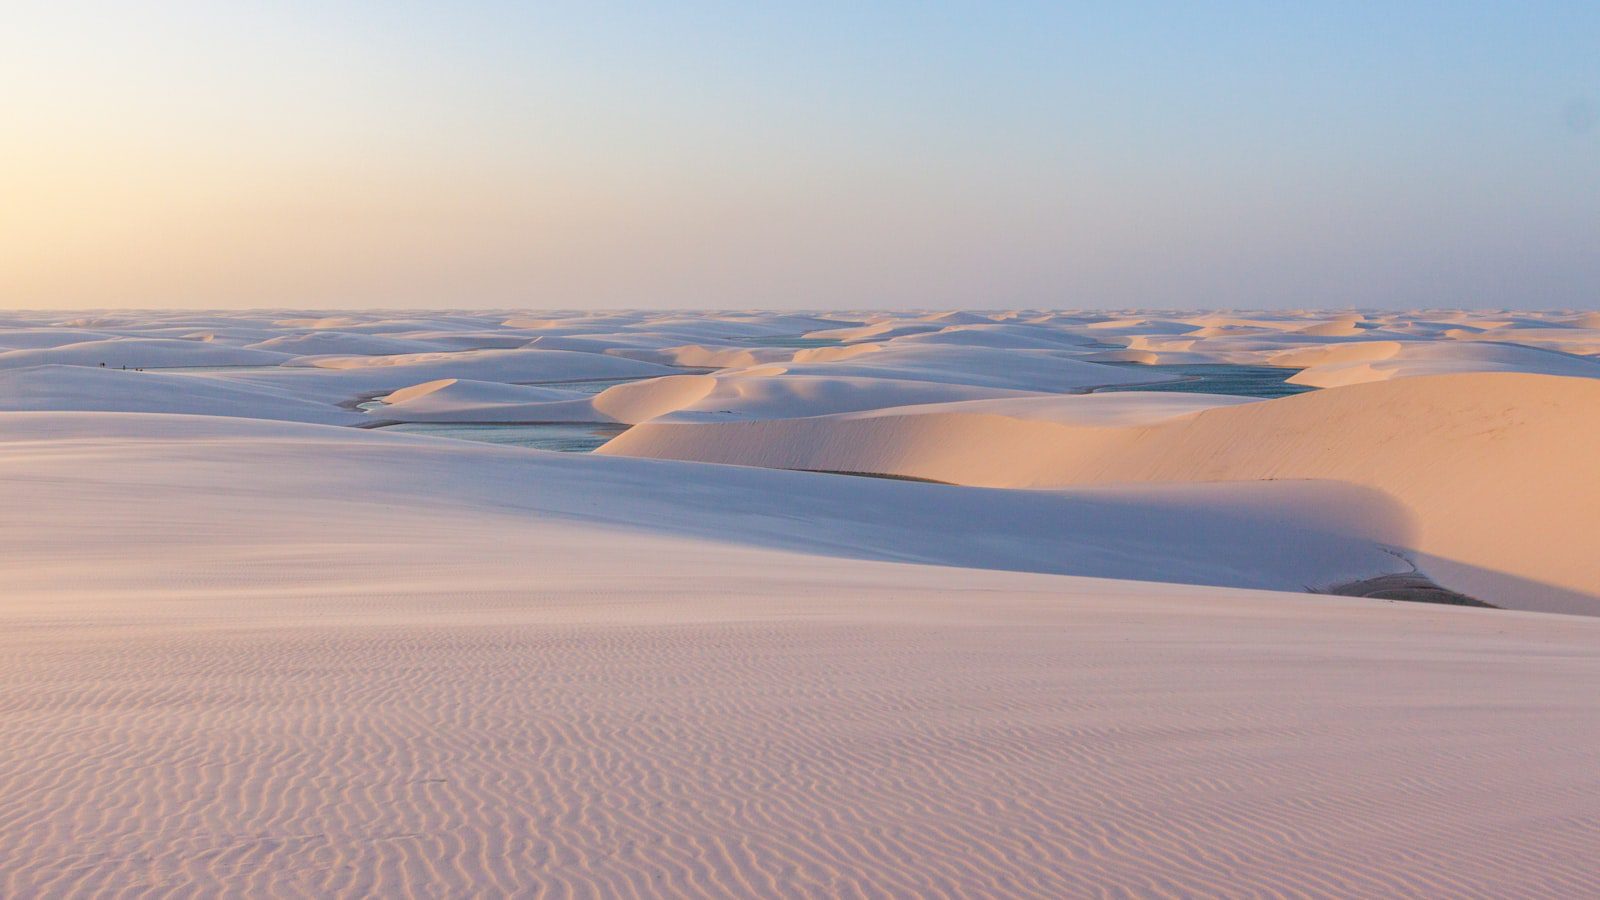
<point>833,354</point>
<point>645,400</point>
<point>775,393</point>
<point>329,343</point>
<point>1337,365</point>
<point>455,400</point>
<point>1010,369</point>
<point>508,365</point>
<point>1006,336</point>
<point>461,400</point>
<point>1344,326</point>
<point>313,680</point>
<point>93,389</point>
<point>1122,408</point>
<point>875,331</point>
<point>1262,538</point>
<point>24,338</point>
<point>1452,449</point>
<point>251,651</point>
<point>130,352</point>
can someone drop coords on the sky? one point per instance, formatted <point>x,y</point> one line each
<point>484,154</point>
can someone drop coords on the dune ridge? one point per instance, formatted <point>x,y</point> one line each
<point>1451,448</point>
<point>334,662</point>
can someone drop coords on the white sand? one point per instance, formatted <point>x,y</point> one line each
<point>85,388</point>
<point>242,657</point>
<point>135,352</point>
<point>1355,363</point>
<point>1493,469</point>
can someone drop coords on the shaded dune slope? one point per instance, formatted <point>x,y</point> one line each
<point>243,658</point>
<point>1454,450</point>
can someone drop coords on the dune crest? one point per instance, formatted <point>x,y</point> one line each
<point>645,400</point>
<point>1445,446</point>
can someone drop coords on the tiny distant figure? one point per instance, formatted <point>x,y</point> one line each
<point>102,365</point>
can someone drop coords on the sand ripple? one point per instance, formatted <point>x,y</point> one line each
<point>1116,750</point>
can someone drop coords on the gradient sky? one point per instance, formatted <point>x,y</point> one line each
<point>490,154</point>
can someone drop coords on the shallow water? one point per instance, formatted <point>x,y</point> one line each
<point>1218,378</point>
<point>563,437</point>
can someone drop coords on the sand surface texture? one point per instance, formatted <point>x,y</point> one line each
<point>254,643</point>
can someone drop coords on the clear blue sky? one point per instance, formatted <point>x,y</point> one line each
<point>820,154</point>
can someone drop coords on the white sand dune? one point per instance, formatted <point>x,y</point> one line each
<point>702,357</point>
<point>454,400</point>
<point>242,657</point>
<point>1452,449</point>
<point>343,379</point>
<point>1122,408</point>
<point>1261,537</point>
<point>1570,339</point>
<point>759,392</point>
<point>150,353</point>
<point>1344,326</point>
<point>1344,364</point>
<point>875,331</point>
<point>461,400</point>
<point>1005,336</point>
<point>24,338</point>
<point>330,662</point>
<point>93,389</point>
<point>497,365</point>
<point>749,394</point>
<point>1009,369</point>
<point>773,393</point>
<point>616,343</point>
<point>467,340</point>
<point>376,324</point>
<point>641,401</point>
<point>835,353</point>
<point>664,333</point>
<point>331,343</point>
<point>1104,328</point>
